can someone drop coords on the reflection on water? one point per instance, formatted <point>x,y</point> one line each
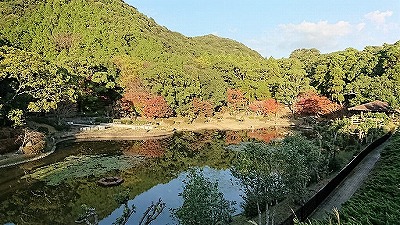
<point>34,200</point>
<point>169,194</point>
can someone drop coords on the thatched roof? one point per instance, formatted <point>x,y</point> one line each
<point>375,106</point>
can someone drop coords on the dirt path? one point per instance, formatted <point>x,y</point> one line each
<point>350,185</point>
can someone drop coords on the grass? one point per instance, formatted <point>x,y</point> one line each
<point>378,200</point>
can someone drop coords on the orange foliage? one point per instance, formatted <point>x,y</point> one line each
<point>156,107</point>
<point>202,108</point>
<point>265,135</point>
<point>265,107</point>
<point>145,103</point>
<point>233,137</point>
<point>235,99</point>
<point>311,103</point>
<point>147,148</point>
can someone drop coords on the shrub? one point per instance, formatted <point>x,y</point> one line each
<point>202,202</point>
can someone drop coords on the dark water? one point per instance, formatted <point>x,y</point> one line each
<point>54,189</point>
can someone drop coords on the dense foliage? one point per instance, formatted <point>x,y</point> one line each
<point>284,169</point>
<point>272,172</point>
<point>203,203</point>
<point>310,103</point>
<point>29,83</point>
<point>111,49</point>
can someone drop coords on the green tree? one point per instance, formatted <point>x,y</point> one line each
<point>272,172</point>
<point>292,82</point>
<point>30,84</point>
<point>308,57</point>
<point>202,202</point>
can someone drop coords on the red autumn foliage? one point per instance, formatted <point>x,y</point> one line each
<point>145,103</point>
<point>132,103</point>
<point>235,99</point>
<point>147,148</point>
<point>202,108</point>
<point>156,107</point>
<point>265,135</point>
<point>311,103</point>
<point>265,107</point>
<point>136,98</point>
<point>234,137</point>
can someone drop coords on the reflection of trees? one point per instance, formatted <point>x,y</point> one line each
<point>272,172</point>
<point>147,148</point>
<point>265,135</point>
<point>189,149</point>
<point>234,137</point>
<point>180,152</point>
<point>39,205</point>
<point>202,202</point>
<point>90,217</point>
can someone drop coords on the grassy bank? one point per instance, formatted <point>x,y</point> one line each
<point>378,201</point>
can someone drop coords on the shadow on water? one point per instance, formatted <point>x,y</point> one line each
<point>52,190</point>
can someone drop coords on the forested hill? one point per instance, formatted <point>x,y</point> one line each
<point>104,39</point>
<point>100,50</point>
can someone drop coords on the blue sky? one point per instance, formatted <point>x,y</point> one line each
<point>277,27</point>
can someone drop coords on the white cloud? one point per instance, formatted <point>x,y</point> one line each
<point>320,29</point>
<point>360,26</point>
<point>375,28</point>
<point>321,35</point>
<point>378,17</point>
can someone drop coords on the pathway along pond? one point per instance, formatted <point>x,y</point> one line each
<point>54,189</point>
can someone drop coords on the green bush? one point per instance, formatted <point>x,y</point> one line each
<point>202,202</point>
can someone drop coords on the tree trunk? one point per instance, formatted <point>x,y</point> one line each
<point>259,214</point>
<point>266,214</point>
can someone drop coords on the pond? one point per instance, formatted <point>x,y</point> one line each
<point>55,190</point>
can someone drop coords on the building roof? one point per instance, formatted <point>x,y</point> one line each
<point>375,106</point>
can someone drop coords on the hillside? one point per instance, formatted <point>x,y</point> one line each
<point>102,50</point>
<point>87,34</point>
<point>104,36</point>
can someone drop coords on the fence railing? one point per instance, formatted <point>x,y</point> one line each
<point>312,204</point>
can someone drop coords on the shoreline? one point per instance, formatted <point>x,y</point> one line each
<point>130,132</point>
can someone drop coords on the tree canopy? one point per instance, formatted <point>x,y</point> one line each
<point>110,49</point>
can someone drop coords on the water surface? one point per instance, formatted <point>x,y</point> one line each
<point>54,189</point>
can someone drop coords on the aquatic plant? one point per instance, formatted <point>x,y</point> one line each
<point>82,166</point>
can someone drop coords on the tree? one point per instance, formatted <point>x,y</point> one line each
<point>311,103</point>
<point>202,202</point>
<point>308,57</point>
<point>261,178</point>
<point>28,83</point>
<point>202,108</point>
<point>133,102</point>
<point>31,142</point>
<point>156,107</point>
<point>265,107</point>
<point>236,100</point>
<point>272,172</point>
<point>142,102</point>
<point>292,83</point>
